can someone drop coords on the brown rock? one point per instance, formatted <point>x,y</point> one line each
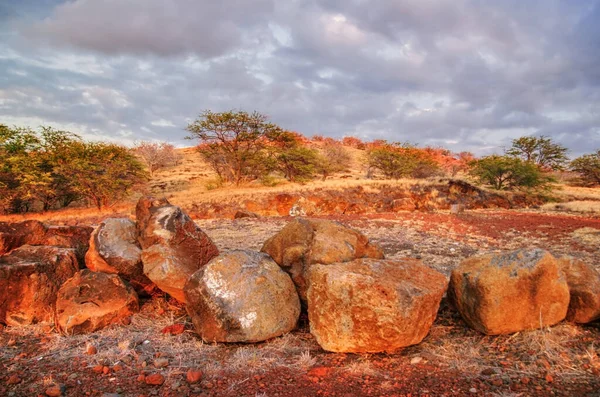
<point>174,247</point>
<point>91,350</point>
<point>370,305</point>
<point>29,280</point>
<point>154,379</point>
<point>245,214</point>
<point>501,294</point>
<point>13,380</point>
<point>15,235</point>
<point>304,242</point>
<point>242,296</point>
<point>193,376</point>
<point>77,237</point>
<point>55,391</point>
<point>113,248</point>
<point>584,288</point>
<point>90,301</point>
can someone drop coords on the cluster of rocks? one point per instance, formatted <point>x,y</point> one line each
<point>357,301</point>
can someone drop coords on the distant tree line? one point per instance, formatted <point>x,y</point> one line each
<point>50,169</point>
<point>241,146</point>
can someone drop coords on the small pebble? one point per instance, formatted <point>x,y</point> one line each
<point>55,391</point>
<point>473,390</point>
<point>416,360</point>
<point>193,376</point>
<point>91,350</point>
<point>161,362</point>
<point>155,379</point>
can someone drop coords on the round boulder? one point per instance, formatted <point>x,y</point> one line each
<point>511,292</point>
<point>584,287</point>
<point>305,242</point>
<point>173,246</point>
<point>90,301</point>
<point>370,305</point>
<point>30,277</point>
<point>114,249</point>
<point>242,296</point>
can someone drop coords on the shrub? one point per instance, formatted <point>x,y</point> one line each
<point>156,155</point>
<point>588,168</point>
<point>397,161</point>
<point>506,172</point>
<point>541,151</point>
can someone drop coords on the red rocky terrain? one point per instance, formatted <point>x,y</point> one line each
<point>159,353</point>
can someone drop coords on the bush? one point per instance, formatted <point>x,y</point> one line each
<point>588,168</point>
<point>397,161</point>
<point>540,151</point>
<point>334,158</point>
<point>156,155</point>
<point>506,172</point>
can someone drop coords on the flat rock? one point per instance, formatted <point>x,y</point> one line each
<point>173,246</point>
<point>511,292</point>
<point>30,277</point>
<point>90,301</point>
<point>584,288</point>
<point>114,249</point>
<point>242,296</point>
<point>305,242</point>
<point>370,305</point>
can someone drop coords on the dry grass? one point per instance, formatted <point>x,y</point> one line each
<point>582,207</point>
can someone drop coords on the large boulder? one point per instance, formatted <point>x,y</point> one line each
<point>584,287</point>
<point>511,292</point>
<point>15,235</point>
<point>305,242</point>
<point>114,249</point>
<point>242,296</point>
<point>90,301</point>
<point>173,246</point>
<point>30,277</point>
<point>370,305</point>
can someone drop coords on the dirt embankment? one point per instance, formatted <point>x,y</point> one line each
<point>360,200</point>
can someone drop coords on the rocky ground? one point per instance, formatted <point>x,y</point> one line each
<point>159,354</point>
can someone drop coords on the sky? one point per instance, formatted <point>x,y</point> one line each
<point>460,74</point>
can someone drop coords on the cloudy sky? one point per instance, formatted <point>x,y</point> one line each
<point>463,74</point>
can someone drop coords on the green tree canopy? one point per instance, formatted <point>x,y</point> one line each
<point>541,151</point>
<point>507,172</point>
<point>588,167</point>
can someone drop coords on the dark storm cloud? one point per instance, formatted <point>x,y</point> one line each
<point>465,74</point>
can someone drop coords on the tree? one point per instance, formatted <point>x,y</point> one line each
<point>588,167</point>
<point>287,154</point>
<point>102,173</point>
<point>540,151</point>
<point>334,158</point>
<point>397,161</point>
<point>233,142</point>
<point>156,155</point>
<point>506,172</point>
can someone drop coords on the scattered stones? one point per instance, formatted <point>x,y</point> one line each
<point>511,292</point>
<point>245,214</point>
<point>370,305</point>
<point>193,376</point>
<point>13,380</point>
<point>304,242</point>
<point>30,277</point>
<point>91,349</point>
<point>154,379</point>
<point>584,288</point>
<point>161,362</point>
<point>242,296</point>
<point>174,247</point>
<point>175,329</point>
<point>55,390</point>
<point>90,301</point>
<point>114,249</point>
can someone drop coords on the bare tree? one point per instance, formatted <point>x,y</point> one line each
<point>156,155</point>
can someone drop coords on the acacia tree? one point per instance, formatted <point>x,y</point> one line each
<point>334,158</point>
<point>233,142</point>
<point>541,151</point>
<point>506,172</point>
<point>588,167</point>
<point>397,161</point>
<point>156,155</point>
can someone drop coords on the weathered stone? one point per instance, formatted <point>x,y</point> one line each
<point>304,242</point>
<point>512,292</point>
<point>90,301</point>
<point>15,235</point>
<point>370,305</point>
<point>173,246</point>
<point>30,277</point>
<point>245,214</point>
<point>114,249</point>
<point>584,288</point>
<point>242,296</point>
